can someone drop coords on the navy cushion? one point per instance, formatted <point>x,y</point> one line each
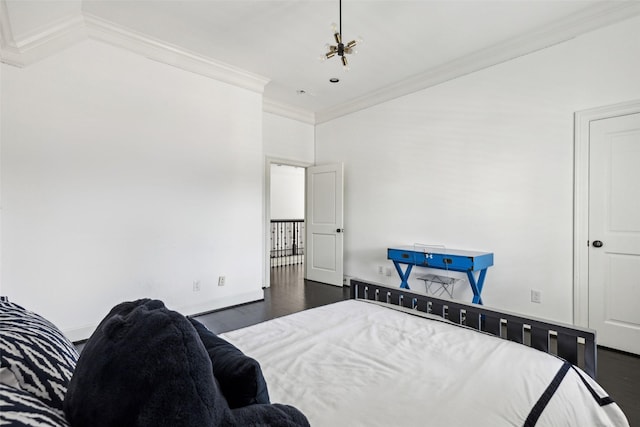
<point>34,355</point>
<point>20,408</point>
<point>240,377</point>
<point>144,366</point>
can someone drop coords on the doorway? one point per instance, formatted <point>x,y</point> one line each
<point>284,239</point>
<point>287,223</point>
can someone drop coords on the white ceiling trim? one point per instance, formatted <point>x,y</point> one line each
<point>592,18</point>
<point>286,110</point>
<point>9,53</point>
<point>158,50</point>
<point>62,34</point>
<point>45,42</point>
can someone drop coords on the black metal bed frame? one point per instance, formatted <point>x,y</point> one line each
<point>572,343</point>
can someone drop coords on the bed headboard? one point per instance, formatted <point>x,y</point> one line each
<point>574,344</point>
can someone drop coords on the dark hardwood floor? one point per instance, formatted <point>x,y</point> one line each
<point>618,373</point>
<point>289,293</point>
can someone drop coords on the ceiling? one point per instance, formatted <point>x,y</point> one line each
<point>407,45</point>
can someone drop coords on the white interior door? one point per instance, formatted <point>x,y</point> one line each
<point>325,222</point>
<point>614,231</point>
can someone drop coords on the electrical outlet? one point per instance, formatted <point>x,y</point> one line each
<point>536,296</point>
<point>380,269</point>
<point>221,280</point>
<point>196,286</point>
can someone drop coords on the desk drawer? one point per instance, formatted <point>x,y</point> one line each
<point>406,257</point>
<point>423,259</point>
<point>449,262</point>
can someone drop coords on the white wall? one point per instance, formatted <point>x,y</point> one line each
<point>483,162</point>
<point>287,192</point>
<point>288,139</point>
<point>125,178</point>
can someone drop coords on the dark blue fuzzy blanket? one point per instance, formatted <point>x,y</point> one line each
<point>146,365</point>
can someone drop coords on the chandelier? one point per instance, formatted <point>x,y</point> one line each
<point>340,48</point>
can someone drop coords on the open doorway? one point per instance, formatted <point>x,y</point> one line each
<point>286,222</point>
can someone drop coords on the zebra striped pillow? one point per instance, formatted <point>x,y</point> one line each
<point>34,355</point>
<point>19,408</point>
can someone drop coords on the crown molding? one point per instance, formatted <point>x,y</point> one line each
<point>288,111</point>
<point>166,53</point>
<point>590,19</point>
<point>66,32</point>
<point>42,43</point>
<point>9,54</point>
<point>8,51</point>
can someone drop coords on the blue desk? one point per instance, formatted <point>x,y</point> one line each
<point>443,259</point>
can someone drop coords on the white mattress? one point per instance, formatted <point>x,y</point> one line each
<point>355,363</point>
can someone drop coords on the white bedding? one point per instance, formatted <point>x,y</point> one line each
<point>355,363</point>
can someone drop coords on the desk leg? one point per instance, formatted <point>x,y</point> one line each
<point>404,277</point>
<point>477,287</point>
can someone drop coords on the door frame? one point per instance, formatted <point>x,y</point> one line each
<point>266,210</point>
<point>582,121</point>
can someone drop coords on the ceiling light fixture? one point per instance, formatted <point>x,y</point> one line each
<point>340,48</point>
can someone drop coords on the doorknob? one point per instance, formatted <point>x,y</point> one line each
<point>339,230</point>
<point>597,243</point>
